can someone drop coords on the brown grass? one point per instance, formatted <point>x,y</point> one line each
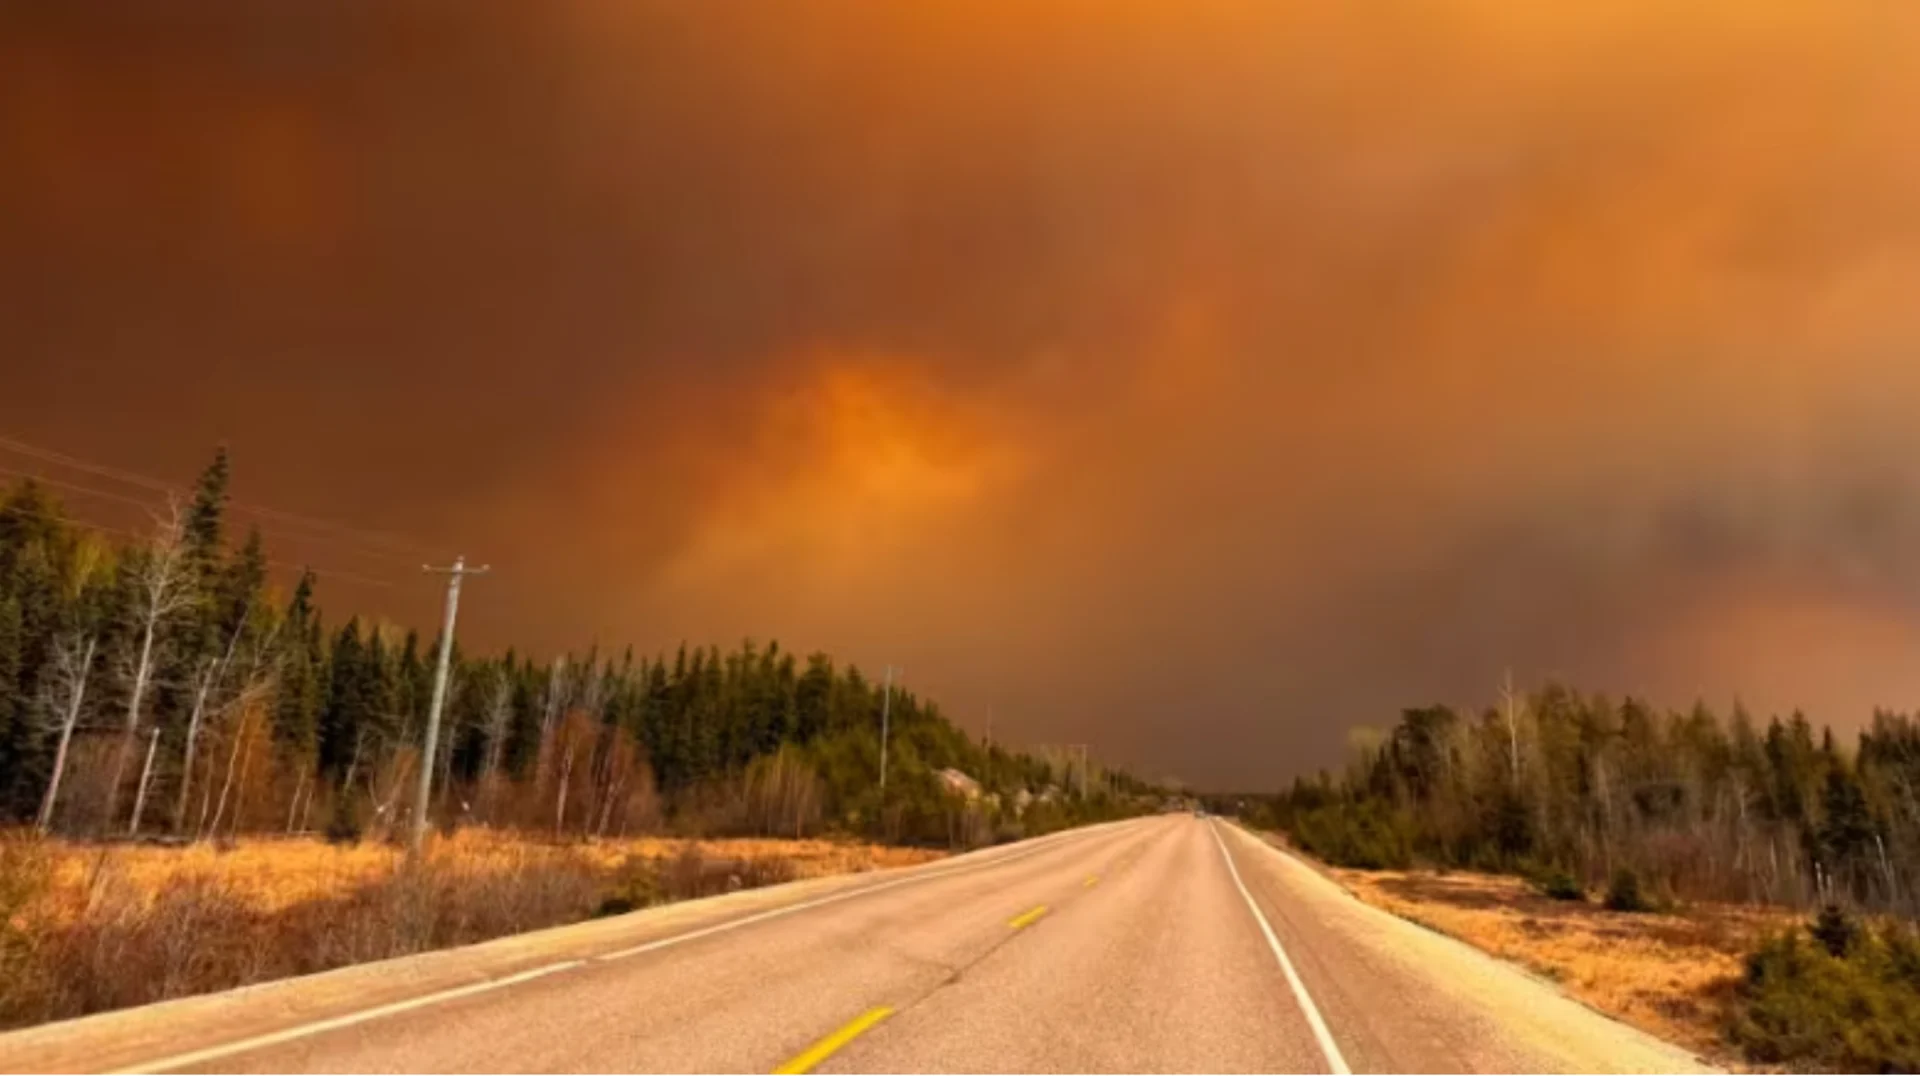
<point>89,928</point>
<point>1671,975</point>
<point>272,874</point>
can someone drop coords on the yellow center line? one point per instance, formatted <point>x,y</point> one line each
<point>831,1045</point>
<point>1027,919</point>
<point>1092,880</point>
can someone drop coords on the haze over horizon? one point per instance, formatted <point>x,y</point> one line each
<point>1198,381</point>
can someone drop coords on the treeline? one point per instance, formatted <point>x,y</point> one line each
<point>162,685</point>
<point>1681,804</point>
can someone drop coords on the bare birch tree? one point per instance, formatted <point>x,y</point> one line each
<point>499,714</point>
<point>63,695</point>
<point>163,587</point>
<point>1510,710</point>
<point>212,674</point>
<point>259,676</point>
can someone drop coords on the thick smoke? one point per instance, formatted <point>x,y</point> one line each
<point>1197,380</point>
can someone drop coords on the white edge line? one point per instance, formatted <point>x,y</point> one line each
<point>1320,1033</point>
<point>274,1038</point>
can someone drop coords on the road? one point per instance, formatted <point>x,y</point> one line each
<point>1162,944</point>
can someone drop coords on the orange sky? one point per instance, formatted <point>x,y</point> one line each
<point>1197,380</point>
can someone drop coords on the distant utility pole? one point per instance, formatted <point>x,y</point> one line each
<point>455,573</point>
<point>886,712</point>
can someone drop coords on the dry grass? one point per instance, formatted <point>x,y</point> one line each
<point>90,928</point>
<point>1671,975</point>
<point>271,874</point>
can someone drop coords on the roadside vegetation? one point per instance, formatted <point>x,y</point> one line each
<point>1714,840</point>
<point>87,928</point>
<point>203,773</point>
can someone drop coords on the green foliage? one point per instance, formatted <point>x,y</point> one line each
<point>1804,1006</point>
<point>1366,835</point>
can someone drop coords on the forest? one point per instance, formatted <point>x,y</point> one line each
<point>1678,805</point>
<point>160,684</point>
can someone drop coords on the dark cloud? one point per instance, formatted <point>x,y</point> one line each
<point>1197,380</point>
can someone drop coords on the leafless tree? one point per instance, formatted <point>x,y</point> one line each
<point>212,674</point>
<point>1510,709</point>
<point>499,714</point>
<point>259,676</point>
<point>63,694</point>
<point>552,710</point>
<point>163,587</point>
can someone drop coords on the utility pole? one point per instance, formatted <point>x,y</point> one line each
<point>455,573</point>
<point>886,711</point>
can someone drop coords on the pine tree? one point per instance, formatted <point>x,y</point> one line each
<point>205,517</point>
<point>342,721</point>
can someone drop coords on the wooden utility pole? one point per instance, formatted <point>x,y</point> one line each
<point>455,573</point>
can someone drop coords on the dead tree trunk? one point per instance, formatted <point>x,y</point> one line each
<point>560,801</point>
<point>293,809</point>
<point>193,741</point>
<point>233,758</point>
<point>146,777</point>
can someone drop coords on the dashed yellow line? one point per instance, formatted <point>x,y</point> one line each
<point>1092,880</point>
<point>1028,918</point>
<point>831,1045</point>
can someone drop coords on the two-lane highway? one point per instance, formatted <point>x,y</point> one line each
<point>1161,944</point>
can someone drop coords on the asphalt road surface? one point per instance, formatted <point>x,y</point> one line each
<point>1166,944</point>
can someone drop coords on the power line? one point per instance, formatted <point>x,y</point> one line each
<point>288,536</point>
<point>128,532</point>
<point>393,542</point>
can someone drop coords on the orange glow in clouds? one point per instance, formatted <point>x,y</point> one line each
<point>858,456</point>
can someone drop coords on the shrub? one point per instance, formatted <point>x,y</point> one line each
<point>1624,895</point>
<point>342,825</point>
<point>637,886</point>
<point>1802,1006</point>
<point>1835,930</point>
<point>1558,884</point>
<point>1363,835</point>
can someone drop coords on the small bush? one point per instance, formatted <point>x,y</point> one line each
<point>638,886</point>
<point>1802,1006</point>
<point>1362,835</point>
<point>1624,895</point>
<point>342,826</point>
<point>1835,930</point>
<point>1559,884</point>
